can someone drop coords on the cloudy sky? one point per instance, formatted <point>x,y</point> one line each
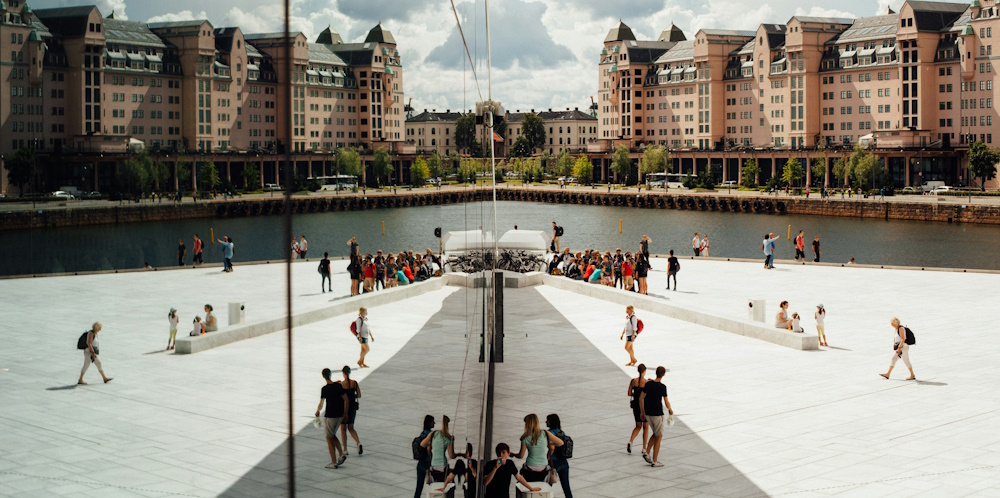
<point>544,55</point>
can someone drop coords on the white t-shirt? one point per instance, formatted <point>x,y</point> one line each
<point>631,325</point>
<point>362,327</point>
<point>210,319</point>
<point>197,329</point>
<point>820,315</point>
<point>795,325</point>
<point>694,242</point>
<point>173,321</point>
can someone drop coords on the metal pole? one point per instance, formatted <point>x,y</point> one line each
<point>288,250</point>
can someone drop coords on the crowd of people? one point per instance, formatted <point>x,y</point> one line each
<point>624,271</point>
<point>199,326</point>
<point>371,272</point>
<point>793,322</point>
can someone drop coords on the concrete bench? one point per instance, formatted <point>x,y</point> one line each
<point>523,492</point>
<point>746,328</point>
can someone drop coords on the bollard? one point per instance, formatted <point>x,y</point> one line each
<point>383,228</point>
<point>789,236</point>
<point>619,225</point>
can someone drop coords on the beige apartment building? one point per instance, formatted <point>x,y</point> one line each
<point>83,85</point>
<point>917,87</point>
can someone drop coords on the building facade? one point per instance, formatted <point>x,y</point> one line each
<point>917,87</point>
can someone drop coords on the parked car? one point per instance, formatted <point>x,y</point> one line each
<point>941,189</point>
<point>910,189</point>
<point>90,195</point>
<point>927,187</point>
<point>272,186</point>
<point>566,180</point>
<point>729,183</point>
<point>62,194</point>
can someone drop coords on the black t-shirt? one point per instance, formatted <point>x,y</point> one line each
<point>334,396</point>
<point>499,487</point>
<point>645,246</point>
<point>655,391</point>
<point>815,246</point>
<point>641,267</point>
<point>324,266</point>
<point>672,264</point>
<point>181,249</point>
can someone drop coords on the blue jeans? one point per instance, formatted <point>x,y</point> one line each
<point>562,468</point>
<point>421,476</point>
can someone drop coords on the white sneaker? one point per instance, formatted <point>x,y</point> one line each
<point>645,457</point>
<point>657,464</point>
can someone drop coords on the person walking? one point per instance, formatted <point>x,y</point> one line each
<point>364,335</point>
<point>181,252</point>
<point>769,250</point>
<point>644,245</point>
<point>336,413</point>
<point>696,245</point>
<point>800,246</point>
<point>295,248</point>
<point>635,387</point>
<point>92,353</point>
<point>353,391</point>
<point>673,266</point>
<point>303,247</point>
<point>704,246</point>
<point>558,460</point>
<point>424,462</point>
<point>820,316</point>
<point>900,349</point>
<point>354,266</point>
<point>556,233</point>
<point>324,272</point>
<point>227,254</point>
<point>816,250</point>
<point>641,270</point>
<point>652,407</point>
<point>631,326</point>
<point>198,247</point>
<point>173,318</point>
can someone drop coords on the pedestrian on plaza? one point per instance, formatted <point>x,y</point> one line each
<point>696,245</point>
<point>295,249</point>
<point>353,391</point>
<point>324,272</point>
<point>424,462</point>
<point>768,246</point>
<point>900,349</point>
<point>337,405</point>
<point>441,445</point>
<point>641,271</point>
<point>498,473</point>
<point>197,327</point>
<point>673,266</point>
<point>227,254</point>
<point>364,335</point>
<point>92,353</point>
<point>628,267</point>
<point>211,324</point>
<point>199,246</point>
<point>644,245</point>
<point>782,320</point>
<point>704,246</point>
<point>820,316</point>
<point>616,267</point>
<point>631,328</point>
<point>391,272</point>
<point>652,407</point>
<point>368,269</point>
<point>354,266</point>
<point>303,247</point>
<point>379,270</point>
<point>816,250</point>
<point>556,233</point>
<point>558,460</point>
<point>635,387</point>
<point>535,442</point>
<point>173,318</point>
<point>181,251</point>
<point>800,246</point>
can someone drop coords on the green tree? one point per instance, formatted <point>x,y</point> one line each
<point>434,165</point>
<point>465,131</point>
<point>533,129</point>
<point>562,165</point>
<point>819,169</point>
<point>159,174</point>
<point>983,161</point>
<point>583,170</point>
<point>863,168</point>
<point>467,171</point>
<point>621,163</point>
<point>452,162</point>
<point>418,172</point>
<point>841,171</point>
<point>476,149</point>
<point>382,164</point>
<point>21,168</point>
<point>792,172</point>
<point>135,173</point>
<point>521,147</point>
<point>349,162</point>
<point>750,173</point>
<point>653,160</point>
<point>183,174</point>
<point>208,176</point>
<point>251,176</point>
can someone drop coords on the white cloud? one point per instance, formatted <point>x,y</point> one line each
<point>108,6</point>
<point>817,11</point>
<point>184,15</point>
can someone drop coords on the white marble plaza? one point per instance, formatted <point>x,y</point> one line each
<point>754,418</point>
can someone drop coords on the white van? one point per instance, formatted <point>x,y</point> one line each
<point>927,187</point>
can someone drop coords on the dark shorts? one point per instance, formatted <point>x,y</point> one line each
<point>355,275</point>
<point>351,415</point>
<point>636,413</point>
<point>363,340</point>
<point>629,338</point>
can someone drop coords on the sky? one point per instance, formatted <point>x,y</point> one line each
<point>544,52</point>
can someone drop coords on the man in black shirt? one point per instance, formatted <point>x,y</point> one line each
<point>673,266</point>
<point>499,472</point>
<point>816,249</point>
<point>649,402</point>
<point>645,247</point>
<point>336,413</point>
<point>324,271</point>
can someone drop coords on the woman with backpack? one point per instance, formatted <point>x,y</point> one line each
<point>421,455</point>
<point>631,329</point>
<point>900,349</point>
<point>442,447</point>
<point>353,391</point>
<point>364,334</point>
<point>91,353</point>
<point>558,458</point>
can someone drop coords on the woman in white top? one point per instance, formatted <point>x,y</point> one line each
<point>91,354</point>
<point>820,315</point>
<point>174,319</point>
<point>704,246</point>
<point>631,329</point>
<point>211,324</point>
<point>900,349</point>
<point>364,335</point>
<point>781,321</point>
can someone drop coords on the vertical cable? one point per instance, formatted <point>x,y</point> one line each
<point>288,234</point>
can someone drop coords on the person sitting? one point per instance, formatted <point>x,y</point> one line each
<point>554,265</point>
<point>795,327</point>
<point>211,324</point>
<point>421,270</point>
<point>595,276</point>
<point>573,270</point>
<point>466,472</point>
<point>407,273</point>
<point>498,473</point>
<point>199,328</point>
<point>781,320</point>
<point>589,271</point>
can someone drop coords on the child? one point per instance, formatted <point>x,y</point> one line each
<point>795,324</point>
<point>174,319</point>
<point>199,328</point>
<point>820,315</point>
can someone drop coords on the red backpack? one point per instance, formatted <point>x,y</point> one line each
<point>354,328</point>
<point>639,327</point>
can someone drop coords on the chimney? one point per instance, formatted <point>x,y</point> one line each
<point>550,109</point>
<point>434,110</point>
<point>448,111</point>
<point>576,108</point>
<point>425,110</point>
<point>532,110</point>
<point>567,108</point>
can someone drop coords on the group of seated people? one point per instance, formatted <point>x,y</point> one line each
<point>400,269</point>
<point>210,324</point>
<point>783,321</point>
<point>613,270</point>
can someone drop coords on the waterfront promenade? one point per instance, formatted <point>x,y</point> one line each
<point>754,418</point>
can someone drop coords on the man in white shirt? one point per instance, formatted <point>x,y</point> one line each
<point>696,245</point>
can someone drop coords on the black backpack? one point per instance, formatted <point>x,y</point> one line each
<point>566,450</point>
<point>559,231</point>
<point>419,452</point>
<point>81,343</point>
<point>910,338</point>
